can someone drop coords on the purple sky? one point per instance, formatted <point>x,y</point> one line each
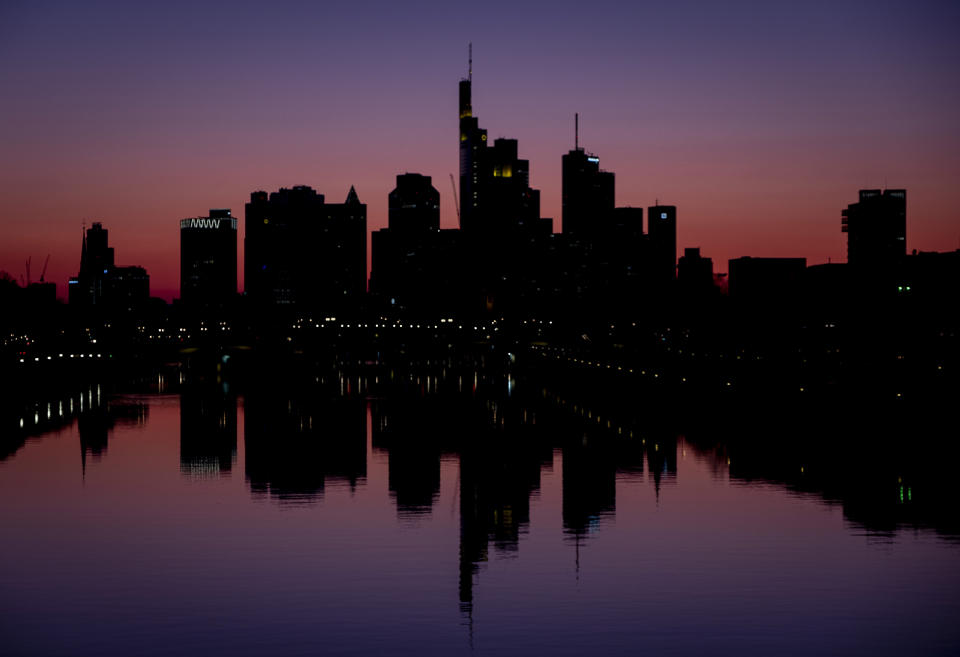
<point>759,120</point>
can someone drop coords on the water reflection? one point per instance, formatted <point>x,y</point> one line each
<point>552,493</point>
<point>295,443</point>
<point>208,429</point>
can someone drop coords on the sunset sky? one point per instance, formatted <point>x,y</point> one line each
<point>760,120</point>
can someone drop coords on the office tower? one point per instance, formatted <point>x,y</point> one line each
<point>662,238</point>
<point>473,142</point>
<point>495,195</point>
<point>876,228</point>
<point>766,279</point>
<point>100,282</point>
<point>694,272</point>
<point>414,205</point>
<point>208,260</point>
<point>588,195</point>
<point>300,251</point>
<point>413,261</point>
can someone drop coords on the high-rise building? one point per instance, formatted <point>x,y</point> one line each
<point>694,272</point>
<point>876,228</point>
<point>208,259</point>
<point>414,205</point>
<point>300,251</point>
<point>495,193</point>
<point>100,282</point>
<point>588,193</point>
<point>662,238</point>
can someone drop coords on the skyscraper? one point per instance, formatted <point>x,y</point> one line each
<point>208,259</point>
<point>100,282</point>
<point>300,251</point>
<point>876,228</point>
<point>662,237</point>
<point>495,193</point>
<point>414,205</point>
<point>588,194</point>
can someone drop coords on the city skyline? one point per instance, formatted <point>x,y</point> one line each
<point>760,160</point>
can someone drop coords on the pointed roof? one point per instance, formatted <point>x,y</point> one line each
<point>352,198</point>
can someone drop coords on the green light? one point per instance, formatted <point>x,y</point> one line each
<point>901,494</point>
<point>910,494</point>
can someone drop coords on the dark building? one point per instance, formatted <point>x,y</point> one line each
<point>414,205</point>
<point>101,283</point>
<point>300,251</point>
<point>495,193</point>
<point>413,260</point>
<point>876,228</point>
<point>208,260</point>
<point>695,273</point>
<point>588,193</point>
<point>662,239</point>
<point>766,279</point>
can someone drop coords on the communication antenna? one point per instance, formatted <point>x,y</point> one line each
<point>576,131</point>
<point>456,203</point>
<point>470,61</point>
<point>28,270</point>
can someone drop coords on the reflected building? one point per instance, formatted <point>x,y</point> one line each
<point>411,436</point>
<point>589,485</point>
<point>97,421</point>
<point>500,469</point>
<point>295,444</point>
<point>208,431</point>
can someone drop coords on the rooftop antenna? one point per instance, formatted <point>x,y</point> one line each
<point>576,131</point>
<point>470,62</point>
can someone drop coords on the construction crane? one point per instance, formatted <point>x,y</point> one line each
<point>44,272</point>
<point>456,202</point>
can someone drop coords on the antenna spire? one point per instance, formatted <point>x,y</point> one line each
<point>470,62</point>
<point>576,131</point>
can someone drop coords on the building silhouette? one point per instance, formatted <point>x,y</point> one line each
<point>495,193</point>
<point>101,283</point>
<point>414,205</point>
<point>694,273</point>
<point>587,192</point>
<point>876,228</point>
<point>411,262</point>
<point>208,260</point>
<point>303,252</point>
<point>766,280</point>
<point>662,232</point>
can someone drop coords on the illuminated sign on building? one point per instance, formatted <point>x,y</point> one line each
<point>205,223</point>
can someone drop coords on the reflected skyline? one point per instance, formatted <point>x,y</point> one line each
<point>457,484</point>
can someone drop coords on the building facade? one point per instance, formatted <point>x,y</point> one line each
<point>208,260</point>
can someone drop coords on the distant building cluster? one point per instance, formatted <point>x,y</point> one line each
<point>304,254</point>
<point>101,283</point>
